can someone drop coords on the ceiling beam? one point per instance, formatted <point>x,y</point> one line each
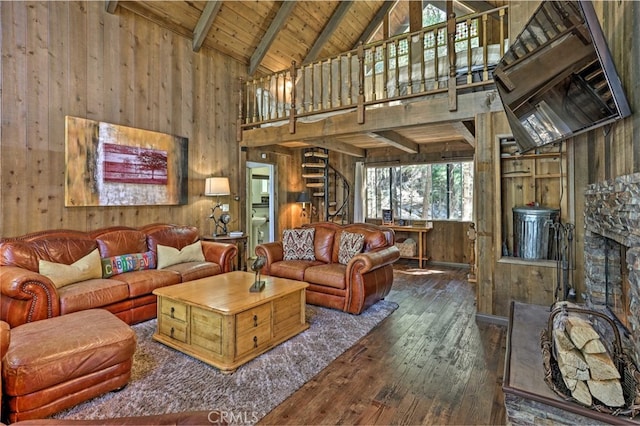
<point>396,140</point>
<point>466,129</point>
<point>270,35</point>
<point>110,6</point>
<point>337,145</point>
<point>204,23</point>
<point>334,22</point>
<point>375,22</point>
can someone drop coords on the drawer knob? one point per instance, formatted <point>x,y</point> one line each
<point>172,330</point>
<point>255,320</point>
<point>172,312</point>
<point>255,341</point>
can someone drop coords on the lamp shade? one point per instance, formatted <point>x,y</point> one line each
<point>217,186</point>
<point>303,197</point>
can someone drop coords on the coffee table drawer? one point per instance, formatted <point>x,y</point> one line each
<point>253,318</point>
<point>173,328</point>
<point>172,309</point>
<point>255,340</point>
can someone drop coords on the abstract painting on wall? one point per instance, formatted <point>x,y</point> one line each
<point>113,165</point>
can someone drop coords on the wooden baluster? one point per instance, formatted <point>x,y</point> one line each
<point>321,97</point>
<point>312,86</point>
<point>385,70</point>
<point>422,52</point>
<point>292,108</point>
<point>360,84</point>
<point>451,50</point>
<point>502,41</point>
<point>409,67</point>
<point>256,112</point>
<point>469,53</point>
<point>339,93</point>
<point>485,49</point>
<point>280,106</point>
<point>436,61</point>
<point>248,111</point>
<point>330,83</point>
<point>396,45</point>
<point>350,84</point>
<point>374,50</point>
<point>264,101</point>
<point>303,84</point>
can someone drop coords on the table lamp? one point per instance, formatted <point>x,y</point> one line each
<point>217,186</point>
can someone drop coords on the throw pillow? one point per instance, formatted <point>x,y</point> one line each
<point>86,268</point>
<point>127,262</point>
<point>168,255</point>
<point>350,245</point>
<point>297,244</point>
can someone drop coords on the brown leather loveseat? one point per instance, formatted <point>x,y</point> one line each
<point>350,284</point>
<point>26,295</point>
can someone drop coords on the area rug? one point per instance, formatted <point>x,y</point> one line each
<point>166,381</point>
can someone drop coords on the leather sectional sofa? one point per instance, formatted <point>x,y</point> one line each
<point>350,285</point>
<point>27,295</point>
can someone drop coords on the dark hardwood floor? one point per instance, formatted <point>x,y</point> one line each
<point>429,362</point>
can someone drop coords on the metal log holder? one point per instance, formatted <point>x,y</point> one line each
<point>629,375</point>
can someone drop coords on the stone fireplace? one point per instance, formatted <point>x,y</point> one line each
<point>612,252</point>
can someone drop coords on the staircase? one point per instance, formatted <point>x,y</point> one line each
<point>328,188</point>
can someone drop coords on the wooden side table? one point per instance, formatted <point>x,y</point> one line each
<point>240,242</point>
<point>421,233</point>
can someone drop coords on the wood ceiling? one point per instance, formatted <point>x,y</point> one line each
<point>268,35</point>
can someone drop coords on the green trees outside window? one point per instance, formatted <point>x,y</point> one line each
<point>442,191</point>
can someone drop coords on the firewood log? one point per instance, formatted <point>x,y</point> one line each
<point>580,331</point>
<point>582,394</point>
<point>609,392</point>
<point>601,367</point>
<point>572,364</point>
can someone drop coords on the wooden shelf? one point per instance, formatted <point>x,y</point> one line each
<point>532,156</point>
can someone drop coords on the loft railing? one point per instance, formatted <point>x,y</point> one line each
<point>425,62</point>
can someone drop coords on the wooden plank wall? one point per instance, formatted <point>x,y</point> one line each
<point>73,58</point>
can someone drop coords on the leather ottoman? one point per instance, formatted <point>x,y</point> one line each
<point>59,362</point>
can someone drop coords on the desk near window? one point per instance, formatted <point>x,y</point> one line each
<point>421,241</point>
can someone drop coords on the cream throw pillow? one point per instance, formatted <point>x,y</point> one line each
<point>83,269</point>
<point>168,255</point>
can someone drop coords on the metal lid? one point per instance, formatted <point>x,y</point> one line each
<point>535,210</point>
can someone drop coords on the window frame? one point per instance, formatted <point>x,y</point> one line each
<point>393,192</point>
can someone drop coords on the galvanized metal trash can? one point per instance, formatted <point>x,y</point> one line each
<point>532,231</point>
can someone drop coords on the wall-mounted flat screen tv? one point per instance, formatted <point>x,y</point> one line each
<point>558,79</point>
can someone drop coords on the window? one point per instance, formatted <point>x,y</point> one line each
<point>442,191</point>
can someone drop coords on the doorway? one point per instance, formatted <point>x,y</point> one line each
<point>260,205</point>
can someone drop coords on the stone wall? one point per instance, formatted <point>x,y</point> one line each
<point>612,211</point>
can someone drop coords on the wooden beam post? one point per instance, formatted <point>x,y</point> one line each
<point>451,49</point>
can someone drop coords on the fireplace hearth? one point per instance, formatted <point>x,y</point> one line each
<point>612,253</point>
<point>612,256</point>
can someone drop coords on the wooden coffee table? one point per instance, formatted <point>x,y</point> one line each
<point>218,321</point>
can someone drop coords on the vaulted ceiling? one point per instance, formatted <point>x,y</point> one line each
<point>268,35</point>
